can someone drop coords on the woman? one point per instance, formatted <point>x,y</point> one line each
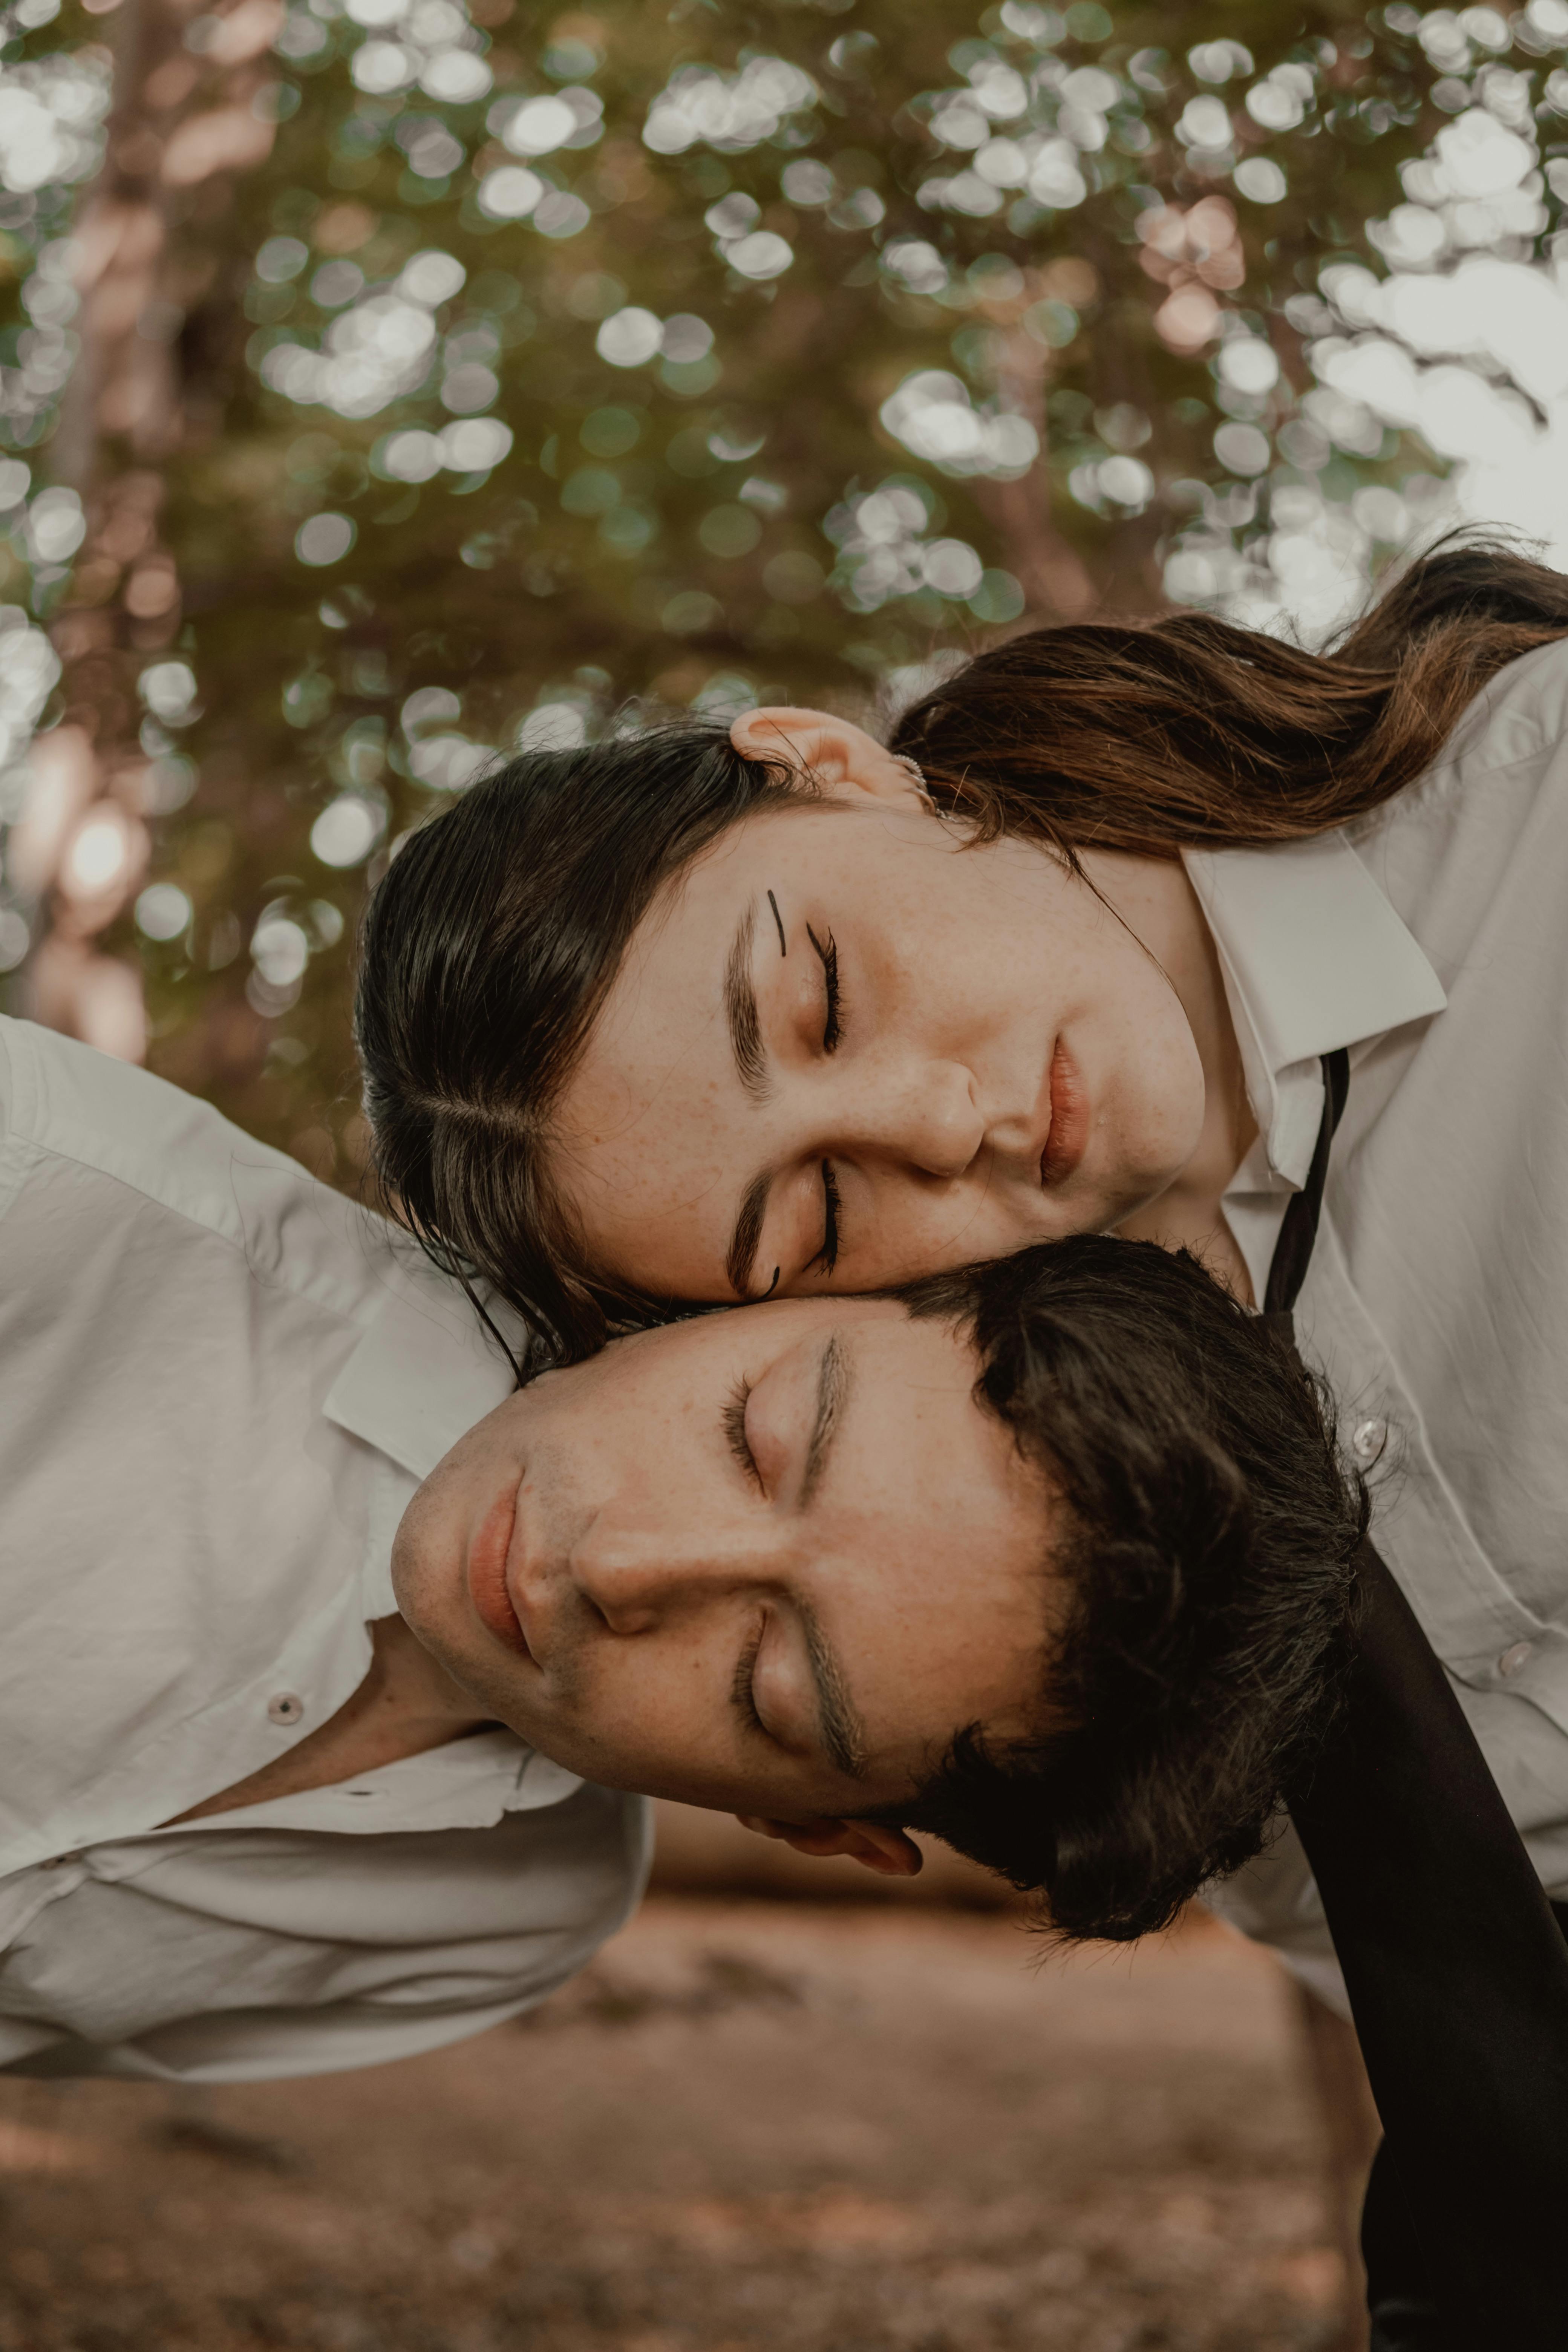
<point>613,990</point>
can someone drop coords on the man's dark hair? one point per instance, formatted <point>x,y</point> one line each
<point>1204,1579</point>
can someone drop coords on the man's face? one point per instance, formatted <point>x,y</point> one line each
<point>768,1561</point>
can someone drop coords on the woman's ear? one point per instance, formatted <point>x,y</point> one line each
<point>891,1852</point>
<point>838,757</point>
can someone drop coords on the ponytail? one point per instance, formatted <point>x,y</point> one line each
<point>1190,731</point>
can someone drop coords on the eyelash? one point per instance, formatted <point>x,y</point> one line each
<point>827,1257</point>
<point>734,1424</point>
<point>832,1028</point>
<point>745,1667</point>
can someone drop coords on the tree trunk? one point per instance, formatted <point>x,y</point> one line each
<point>179,121</point>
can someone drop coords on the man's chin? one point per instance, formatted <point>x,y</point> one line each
<point>486,1681</point>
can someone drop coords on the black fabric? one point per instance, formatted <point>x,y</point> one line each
<point>1457,1979</point>
<point>1457,1972</point>
<point>1400,2298</point>
<point>1293,1250</point>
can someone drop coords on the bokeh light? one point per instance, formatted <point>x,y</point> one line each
<point>506,382</point>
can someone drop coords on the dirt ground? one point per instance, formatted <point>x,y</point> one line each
<point>754,2128</point>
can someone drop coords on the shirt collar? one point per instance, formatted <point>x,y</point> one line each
<point>468,1783</point>
<point>1313,957</point>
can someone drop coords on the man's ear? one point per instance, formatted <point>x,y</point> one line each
<point>836,755</point>
<point>891,1852</point>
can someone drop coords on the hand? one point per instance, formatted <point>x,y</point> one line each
<point>891,1852</point>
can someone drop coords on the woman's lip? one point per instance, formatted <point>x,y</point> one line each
<point>487,1564</point>
<point>1069,1134</point>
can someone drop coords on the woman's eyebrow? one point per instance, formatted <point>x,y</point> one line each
<point>740,1009</point>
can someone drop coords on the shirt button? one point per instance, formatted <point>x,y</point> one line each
<point>1512,1660</point>
<point>285,1706</point>
<point>1368,1439</point>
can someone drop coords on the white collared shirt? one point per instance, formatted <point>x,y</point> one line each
<point>220,1384</point>
<point>1432,939</point>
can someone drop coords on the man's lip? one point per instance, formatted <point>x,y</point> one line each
<point>486,1565</point>
<point>1068,1135</point>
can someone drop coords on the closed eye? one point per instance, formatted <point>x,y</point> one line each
<point>734,1420</point>
<point>832,1026</point>
<point>827,1257</point>
<point>742,1695</point>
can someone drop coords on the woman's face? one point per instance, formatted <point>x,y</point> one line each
<point>844,1049</point>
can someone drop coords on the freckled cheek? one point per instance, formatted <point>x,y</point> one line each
<point>624,1190</point>
<point>1163,1087</point>
<point>1144,1033</point>
<point>935,1670</point>
<point>656,1735</point>
<point>947,1232</point>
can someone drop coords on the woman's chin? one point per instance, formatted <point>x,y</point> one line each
<point>1133,1192</point>
<point>1168,1142</point>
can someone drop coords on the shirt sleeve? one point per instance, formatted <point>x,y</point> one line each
<point>265,2045</point>
<point>244,1955</point>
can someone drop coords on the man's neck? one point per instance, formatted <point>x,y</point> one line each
<point>406,1705</point>
<point>1154,898</point>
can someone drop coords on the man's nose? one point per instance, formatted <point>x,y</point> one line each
<point>924,1114</point>
<point>637,1570</point>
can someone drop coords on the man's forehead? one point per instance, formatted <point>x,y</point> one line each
<point>878,1335</point>
<point>934,1351</point>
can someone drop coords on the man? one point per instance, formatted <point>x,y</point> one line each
<point>219,1385</point>
<point>278,1795</point>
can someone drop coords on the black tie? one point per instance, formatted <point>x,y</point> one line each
<point>1456,1973</point>
<point>1293,1250</point>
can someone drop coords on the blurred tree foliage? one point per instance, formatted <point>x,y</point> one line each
<point>534,368</point>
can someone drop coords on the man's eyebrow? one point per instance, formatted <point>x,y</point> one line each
<point>747,1232</point>
<point>832,1395</point>
<point>842,1733</point>
<point>740,1009</point>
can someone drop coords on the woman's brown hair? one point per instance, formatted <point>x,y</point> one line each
<point>1190,732</point>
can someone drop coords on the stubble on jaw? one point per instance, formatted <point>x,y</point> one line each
<point>413,1570</point>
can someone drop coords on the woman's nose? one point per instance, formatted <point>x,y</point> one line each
<point>925,1115</point>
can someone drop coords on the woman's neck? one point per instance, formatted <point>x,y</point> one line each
<point>1159,906</point>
